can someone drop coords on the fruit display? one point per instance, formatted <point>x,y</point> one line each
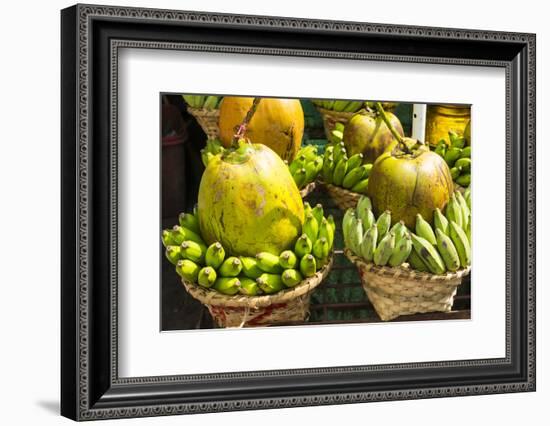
<point>457,155</point>
<point>367,133</point>
<point>203,102</point>
<point>218,267</point>
<point>306,166</point>
<point>339,105</point>
<point>277,123</point>
<point>408,179</point>
<point>444,247</point>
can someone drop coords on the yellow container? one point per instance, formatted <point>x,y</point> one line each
<point>442,118</point>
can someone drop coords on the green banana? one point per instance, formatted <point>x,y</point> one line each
<point>354,161</point>
<point>424,230</point>
<point>447,251</point>
<point>451,156</point>
<point>368,245</point>
<point>270,283</point>
<point>312,169</point>
<point>231,267</point>
<point>384,250</point>
<point>308,265</point>
<point>329,150</point>
<point>188,270</point>
<point>330,220</point>
<point>354,176</point>
<point>383,223</point>
<point>467,197</point>
<point>464,164</point>
<point>181,234</point>
<point>361,186</point>
<point>353,106</point>
<point>456,140</point>
<point>211,102</point>
<point>356,235</point>
<point>291,277</point>
<point>400,231</point>
<point>364,203</point>
<point>441,222</point>
<point>300,178</point>
<point>466,152</point>
<point>227,285</point>
<point>464,180</point>
<point>455,172</point>
<point>462,244</point>
<point>287,259</point>
<point>207,276</point>
<point>214,256</point>
<point>340,171</point>
<point>401,251</point>
<point>429,254</point>
<point>340,105</point>
<point>469,232</point>
<point>326,231</point>
<point>346,223</point>
<point>416,262</point>
<point>307,208</point>
<point>339,153</point>
<point>303,246</point>
<point>309,152</point>
<point>336,135</point>
<point>250,267</point>
<point>173,254</point>
<point>318,213</point>
<point>193,251</point>
<point>367,216</point>
<point>441,148</point>
<point>464,208</point>
<point>269,263</point>
<point>321,248</point>
<point>249,287</point>
<point>328,169</point>
<point>189,221</point>
<point>167,239</point>
<point>339,126</point>
<point>453,211</point>
<point>311,227</point>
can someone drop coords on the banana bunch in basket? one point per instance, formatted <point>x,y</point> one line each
<point>444,247</point>
<point>203,102</point>
<point>458,158</point>
<point>266,273</point>
<point>339,105</point>
<point>306,166</point>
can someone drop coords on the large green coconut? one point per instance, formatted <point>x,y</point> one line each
<point>248,201</point>
<point>368,134</point>
<point>409,183</point>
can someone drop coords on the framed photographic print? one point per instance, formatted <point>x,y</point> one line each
<point>263,212</point>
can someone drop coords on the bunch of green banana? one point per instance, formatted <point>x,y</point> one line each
<point>206,102</point>
<point>374,239</point>
<point>265,273</point>
<point>446,246</point>
<point>349,173</point>
<point>339,105</point>
<point>306,166</point>
<point>458,158</point>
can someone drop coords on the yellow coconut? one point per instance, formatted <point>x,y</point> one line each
<point>277,123</point>
<point>248,201</point>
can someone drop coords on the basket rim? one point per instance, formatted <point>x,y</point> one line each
<point>341,189</point>
<point>214,298</point>
<point>203,111</point>
<point>409,273</point>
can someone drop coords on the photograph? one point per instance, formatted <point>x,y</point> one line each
<point>297,212</point>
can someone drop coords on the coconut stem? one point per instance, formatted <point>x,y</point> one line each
<point>241,130</point>
<point>394,132</point>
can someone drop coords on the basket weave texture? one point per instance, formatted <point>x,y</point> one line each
<point>207,119</point>
<point>405,291</point>
<point>308,189</point>
<point>330,118</point>
<point>343,198</point>
<point>249,311</point>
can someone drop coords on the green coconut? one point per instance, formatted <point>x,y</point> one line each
<point>368,134</point>
<point>248,201</point>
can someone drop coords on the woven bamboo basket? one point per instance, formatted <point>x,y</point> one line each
<point>330,118</point>
<point>208,120</point>
<point>343,198</point>
<point>251,311</point>
<point>405,291</point>
<point>308,189</point>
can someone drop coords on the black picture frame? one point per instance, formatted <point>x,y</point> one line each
<point>90,386</point>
